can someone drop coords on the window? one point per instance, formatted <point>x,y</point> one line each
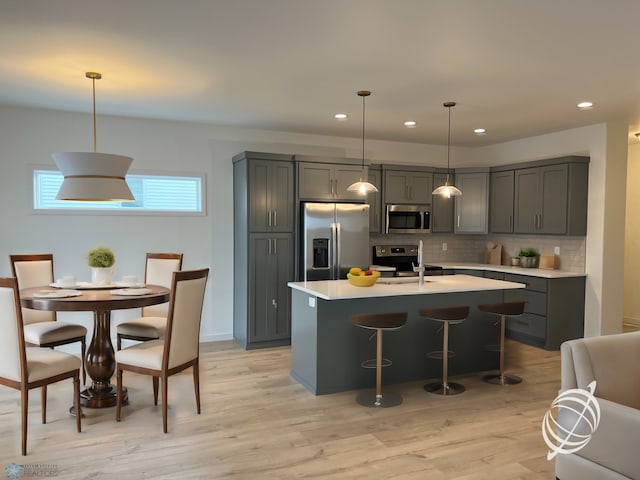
<point>153,193</point>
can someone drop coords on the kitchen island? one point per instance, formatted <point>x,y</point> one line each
<point>327,351</point>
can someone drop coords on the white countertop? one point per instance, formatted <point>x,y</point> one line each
<point>342,289</point>
<point>532,272</point>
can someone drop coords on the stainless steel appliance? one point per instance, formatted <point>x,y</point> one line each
<point>408,219</point>
<point>335,237</point>
<point>403,258</point>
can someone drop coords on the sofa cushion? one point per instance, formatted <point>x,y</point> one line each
<point>613,361</point>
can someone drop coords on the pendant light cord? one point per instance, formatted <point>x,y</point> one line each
<point>94,115</point>
<point>363,97</point>
<point>448,143</point>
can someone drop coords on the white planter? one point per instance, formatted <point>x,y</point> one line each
<point>101,276</point>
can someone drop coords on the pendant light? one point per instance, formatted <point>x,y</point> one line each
<point>362,187</point>
<point>92,176</point>
<point>448,190</point>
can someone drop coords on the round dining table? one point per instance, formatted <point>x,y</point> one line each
<point>100,361</point>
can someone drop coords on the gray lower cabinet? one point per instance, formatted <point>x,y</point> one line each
<point>327,181</point>
<point>472,207</point>
<point>441,208</point>
<point>373,199</point>
<point>501,195</point>
<point>554,311</point>
<point>271,267</point>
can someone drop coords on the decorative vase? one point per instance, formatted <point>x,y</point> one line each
<point>529,262</point>
<point>101,275</point>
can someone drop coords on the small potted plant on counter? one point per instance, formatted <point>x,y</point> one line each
<point>101,261</point>
<point>528,257</point>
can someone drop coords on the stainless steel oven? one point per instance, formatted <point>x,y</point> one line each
<point>408,219</point>
<point>402,259</point>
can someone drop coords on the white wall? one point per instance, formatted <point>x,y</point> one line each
<point>29,136</point>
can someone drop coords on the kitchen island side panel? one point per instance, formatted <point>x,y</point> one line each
<point>327,351</point>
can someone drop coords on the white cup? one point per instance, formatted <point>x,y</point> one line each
<point>129,279</point>
<point>67,281</point>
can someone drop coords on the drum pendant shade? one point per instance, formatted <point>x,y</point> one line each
<point>93,177</point>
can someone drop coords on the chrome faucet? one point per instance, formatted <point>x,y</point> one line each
<point>420,267</point>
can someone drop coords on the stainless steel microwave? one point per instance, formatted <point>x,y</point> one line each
<point>408,219</point>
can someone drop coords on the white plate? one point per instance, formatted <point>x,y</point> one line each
<point>131,291</point>
<point>85,286</point>
<point>130,284</point>
<point>57,293</point>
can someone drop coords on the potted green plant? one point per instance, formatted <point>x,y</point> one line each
<point>528,257</point>
<point>101,261</point>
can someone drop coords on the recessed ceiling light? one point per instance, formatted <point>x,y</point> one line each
<point>480,131</point>
<point>585,105</point>
<point>410,124</point>
<point>340,116</point>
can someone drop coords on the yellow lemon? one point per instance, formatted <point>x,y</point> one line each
<point>355,271</point>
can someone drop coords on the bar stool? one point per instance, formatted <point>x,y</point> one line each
<point>507,309</point>
<point>448,316</point>
<point>378,322</point>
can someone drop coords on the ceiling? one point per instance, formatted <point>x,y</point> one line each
<point>515,67</point>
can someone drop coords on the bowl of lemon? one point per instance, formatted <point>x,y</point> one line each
<point>362,278</point>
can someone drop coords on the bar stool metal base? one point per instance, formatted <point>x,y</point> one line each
<point>370,399</point>
<point>502,379</point>
<point>440,388</point>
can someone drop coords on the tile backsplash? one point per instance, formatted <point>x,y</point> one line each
<point>470,248</point>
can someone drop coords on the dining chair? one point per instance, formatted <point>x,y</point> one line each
<point>178,350</point>
<point>41,328</point>
<point>152,324</point>
<point>25,368</point>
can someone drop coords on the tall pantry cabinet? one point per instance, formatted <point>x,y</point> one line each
<point>263,195</point>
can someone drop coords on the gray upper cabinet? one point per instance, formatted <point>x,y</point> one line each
<point>407,187</point>
<point>541,205</point>
<point>373,199</point>
<point>501,195</point>
<point>441,208</point>
<point>472,208</point>
<point>541,197</point>
<point>271,198</point>
<point>327,182</point>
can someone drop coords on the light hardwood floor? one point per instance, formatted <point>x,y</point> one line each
<point>258,423</point>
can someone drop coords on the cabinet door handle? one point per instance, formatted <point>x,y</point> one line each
<point>274,303</point>
<point>458,221</point>
<point>269,218</point>
<point>275,246</point>
<point>275,218</point>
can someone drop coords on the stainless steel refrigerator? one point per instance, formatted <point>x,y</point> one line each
<point>335,237</point>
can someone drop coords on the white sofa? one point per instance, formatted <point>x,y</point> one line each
<point>613,361</point>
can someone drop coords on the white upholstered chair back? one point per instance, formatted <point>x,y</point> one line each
<point>11,339</point>
<point>159,271</point>
<point>34,273</point>
<point>185,312</point>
